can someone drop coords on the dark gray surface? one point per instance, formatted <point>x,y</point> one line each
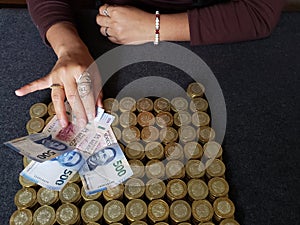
<point>260,83</point>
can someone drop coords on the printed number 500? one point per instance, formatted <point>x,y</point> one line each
<point>119,168</point>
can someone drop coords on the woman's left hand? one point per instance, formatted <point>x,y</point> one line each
<point>126,24</point>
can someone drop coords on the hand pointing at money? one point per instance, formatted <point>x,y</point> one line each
<point>67,79</point>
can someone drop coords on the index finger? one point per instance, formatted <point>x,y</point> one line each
<point>40,84</point>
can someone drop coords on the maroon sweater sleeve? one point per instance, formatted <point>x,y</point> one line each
<point>45,13</point>
<point>237,20</point>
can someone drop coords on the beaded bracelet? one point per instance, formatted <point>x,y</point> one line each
<point>157,27</point>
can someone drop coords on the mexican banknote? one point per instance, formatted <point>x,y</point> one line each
<point>92,150</point>
<point>55,140</point>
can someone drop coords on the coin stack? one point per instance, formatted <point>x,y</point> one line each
<point>178,170</point>
<point>40,115</point>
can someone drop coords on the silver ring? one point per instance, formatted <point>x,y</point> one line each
<point>52,86</point>
<point>105,12</point>
<point>107,35</point>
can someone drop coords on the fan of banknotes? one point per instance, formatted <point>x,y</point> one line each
<point>59,153</point>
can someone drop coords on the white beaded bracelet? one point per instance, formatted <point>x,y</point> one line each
<point>157,27</point>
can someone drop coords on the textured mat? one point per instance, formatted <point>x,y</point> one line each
<point>260,83</point>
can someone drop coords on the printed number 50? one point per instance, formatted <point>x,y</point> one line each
<point>119,168</point>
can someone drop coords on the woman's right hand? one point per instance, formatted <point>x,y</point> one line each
<point>68,79</point>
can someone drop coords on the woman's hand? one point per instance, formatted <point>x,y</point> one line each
<point>68,80</point>
<point>126,24</point>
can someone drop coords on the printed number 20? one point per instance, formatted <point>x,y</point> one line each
<point>119,168</point>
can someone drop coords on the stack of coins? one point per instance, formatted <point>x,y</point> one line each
<point>178,169</point>
<point>40,115</point>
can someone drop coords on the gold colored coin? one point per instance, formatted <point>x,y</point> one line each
<point>176,189</point>
<point>134,188</point>
<point>48,119</point>
<point>25,198</point>
<point>155,169</point>
<point>198,104</point>
<point>25,182</point>
<point>197,189</point>
<point>51,109</point>
<point>91,211</point>
<point>35,125</point>
<point>215,168</point>
<point>116,119</point>
<point>192,150</point>
<point>155,189</point>
<point>111,105</point>
<point>164,119</point>
<point>137,168</point>
<point>127,104</point>
<point>47,197</point>
<point>158,210</point>
<point>26,161</point>
<point>182,118</point>
<point>145,119</point>
<point>75,179</point>
<point>200,119</point>
<point>114,211</point>
<point>21,216</point>
<point>127,119</point>
<point>38,110</point>
<point>70,193</point>
<point>180,211</point>
<point>175,169</point>
<point>202,211</point>
<point>114,193</point>
<point>144,104</point>
<point>224,208</point>
<point>154,150</point>
<point>212,150</point>
<point>150,134</point>
<point>218,187</point>
<point>92,197</point>
<point>206,134</point>
<point>195,89</point>
<point>179,104</point>
<point>162,105</point>
<point>174,151</point>
<point>136,209</point>
<point>131,134</point>
<point>135,150</point>
<point>187,134</point>
<point>44,215</point>
<point>168,134</point>
<point>194,168</point>
<point>67,213</point>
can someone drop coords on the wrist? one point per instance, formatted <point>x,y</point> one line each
<point>66,43</point>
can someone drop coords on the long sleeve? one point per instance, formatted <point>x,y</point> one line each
<point>45,13</point>
<point>237,20</point>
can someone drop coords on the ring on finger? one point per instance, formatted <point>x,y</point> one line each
<point>52,86</point>
<point>106,34</point>
<point>105,11</point>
